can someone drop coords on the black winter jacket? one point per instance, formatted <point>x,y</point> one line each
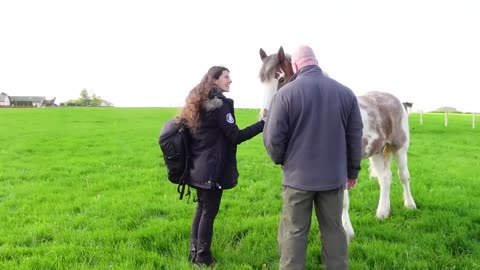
<point>213,162</point>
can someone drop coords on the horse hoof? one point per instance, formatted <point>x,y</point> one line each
<point>410,205</point>
<point>382,214</point>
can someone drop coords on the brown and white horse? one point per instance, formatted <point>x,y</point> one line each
<point>385,133</point>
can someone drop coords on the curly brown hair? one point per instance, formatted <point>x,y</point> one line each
<point>190,113</point>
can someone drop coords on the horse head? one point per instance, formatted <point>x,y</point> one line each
<point>276,67</point>
<point>275,72</point>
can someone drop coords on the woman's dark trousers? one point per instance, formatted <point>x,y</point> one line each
<point>202,226</point>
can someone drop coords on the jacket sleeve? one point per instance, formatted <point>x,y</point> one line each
<point>354,140</point>
<point>226,122</point>
<point>275,133</point>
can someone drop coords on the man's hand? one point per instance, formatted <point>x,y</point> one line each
<point>351,183</point>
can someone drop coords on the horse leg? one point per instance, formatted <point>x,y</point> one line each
<point>347,225</point>
<point>380,164</point>
<point>404,175</point>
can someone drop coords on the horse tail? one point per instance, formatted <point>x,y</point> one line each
<point>387,150</point>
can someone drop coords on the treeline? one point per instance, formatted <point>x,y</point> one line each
<point>85,100</point>
<point>449,110</point>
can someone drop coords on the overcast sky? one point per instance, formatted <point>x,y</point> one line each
<point>151,53</point>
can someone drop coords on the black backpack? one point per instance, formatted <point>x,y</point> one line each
<point>174,142</point>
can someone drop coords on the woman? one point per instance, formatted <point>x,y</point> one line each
<point>214,137</point>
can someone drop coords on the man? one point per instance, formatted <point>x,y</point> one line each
<point>314,130</point>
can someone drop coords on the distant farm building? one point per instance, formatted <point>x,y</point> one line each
<point>26,101</point>
<point>4,100</point>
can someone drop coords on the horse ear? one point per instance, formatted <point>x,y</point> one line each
<point>263,55</point>
<point>281,55</point>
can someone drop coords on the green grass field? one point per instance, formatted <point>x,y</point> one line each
<point>85,188</point>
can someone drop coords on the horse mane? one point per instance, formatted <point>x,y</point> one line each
<point>269,67</point>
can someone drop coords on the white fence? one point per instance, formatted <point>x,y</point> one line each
<point>474,119</point>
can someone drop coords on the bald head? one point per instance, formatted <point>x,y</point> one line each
<point>303,56</point>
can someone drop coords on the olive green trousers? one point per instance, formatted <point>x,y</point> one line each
<point>295,226</point>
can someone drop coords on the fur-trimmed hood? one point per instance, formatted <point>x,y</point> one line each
<point>212,104</point>
<point>214,101</point>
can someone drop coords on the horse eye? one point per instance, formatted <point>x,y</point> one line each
<point>282,79</point>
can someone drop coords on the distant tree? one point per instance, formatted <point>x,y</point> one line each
<point>84,98</point>
<point>73,103</point>
<point>95,100</point>
<point>446,109</point>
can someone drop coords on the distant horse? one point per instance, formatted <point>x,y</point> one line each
<point>385,133</point>
<point>408,106</point>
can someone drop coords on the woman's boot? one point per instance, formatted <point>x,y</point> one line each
<point>193,252</point>
<point>204,255</point>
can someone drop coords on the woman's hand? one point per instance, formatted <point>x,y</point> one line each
<point>263,115</point>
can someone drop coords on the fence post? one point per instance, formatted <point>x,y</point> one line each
<point>421,117</point>
<point>474,116</point>
<point>446,118</point>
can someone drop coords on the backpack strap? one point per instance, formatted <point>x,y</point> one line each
<point>181,185</point>
<point>181,190</point>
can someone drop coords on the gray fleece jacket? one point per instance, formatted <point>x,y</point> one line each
<point>314,129</point>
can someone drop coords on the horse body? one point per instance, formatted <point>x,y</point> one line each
<point>385,133</point>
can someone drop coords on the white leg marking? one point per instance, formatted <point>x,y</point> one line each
<point>404,175</point>
<point>382,166</point>
<point>347,225</point>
